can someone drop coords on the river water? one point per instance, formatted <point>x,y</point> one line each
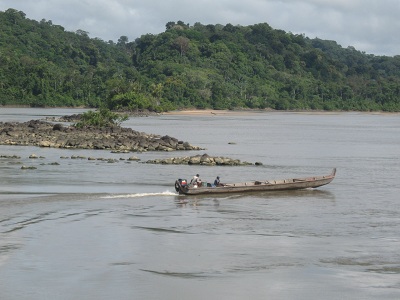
<point>83,229</point>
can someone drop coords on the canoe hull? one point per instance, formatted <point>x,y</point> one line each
<point>259,186</point>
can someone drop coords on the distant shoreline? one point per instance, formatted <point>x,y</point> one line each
<point>205,112</point>
<point>225,112</point>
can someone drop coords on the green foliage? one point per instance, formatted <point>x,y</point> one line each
<point>130,100</point>
<point>102,118</point>
<point>199,66</point>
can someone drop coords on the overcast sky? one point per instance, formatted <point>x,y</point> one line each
<point>372,26</point>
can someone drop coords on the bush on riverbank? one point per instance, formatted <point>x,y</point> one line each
<point>102,118</point>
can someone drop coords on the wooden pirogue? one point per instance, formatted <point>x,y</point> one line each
<point>182,187</point>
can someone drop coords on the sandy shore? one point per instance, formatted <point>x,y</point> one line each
<point>204,112</point>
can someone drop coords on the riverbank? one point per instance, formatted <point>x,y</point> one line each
<point>214,112</point>
<point>202,112</point>
<point>249,112</point>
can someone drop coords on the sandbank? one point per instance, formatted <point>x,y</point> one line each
<point>205,112</point>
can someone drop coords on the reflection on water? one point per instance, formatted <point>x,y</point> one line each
<point>179,275</point>
<point>307,193</point>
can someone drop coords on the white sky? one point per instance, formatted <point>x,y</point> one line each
<point>371,26</point>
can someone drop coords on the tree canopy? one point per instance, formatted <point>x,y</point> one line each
<point>190,66</point>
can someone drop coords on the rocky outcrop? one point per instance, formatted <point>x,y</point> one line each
<point>45,134</point>
<point>10,156</point>
<point>204,159</point>
<point>77,117</point>
<point>71,118</point>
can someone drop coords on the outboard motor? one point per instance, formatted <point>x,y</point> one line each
<point>180,182</point>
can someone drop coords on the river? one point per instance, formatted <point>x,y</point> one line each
<point>80,229</point>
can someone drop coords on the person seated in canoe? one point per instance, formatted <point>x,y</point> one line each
<point>217,182</point>
<point>196,181</point>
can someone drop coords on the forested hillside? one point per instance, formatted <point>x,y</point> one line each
<point>201,66</point>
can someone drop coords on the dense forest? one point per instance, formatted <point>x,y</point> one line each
<point>189,66</point>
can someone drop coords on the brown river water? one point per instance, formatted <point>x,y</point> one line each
<point>83,229</point>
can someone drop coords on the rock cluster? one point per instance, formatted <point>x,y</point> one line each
<point>45,134</point>
<point>204,159</point>
<point>10,156</point>
<point>110,160</point>
<point>71,118</point>
<point>34,157</point>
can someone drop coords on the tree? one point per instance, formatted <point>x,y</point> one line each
<point>182,43</point>
<point>123,40</point>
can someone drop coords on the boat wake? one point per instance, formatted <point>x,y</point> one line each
<point>138,195</point>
